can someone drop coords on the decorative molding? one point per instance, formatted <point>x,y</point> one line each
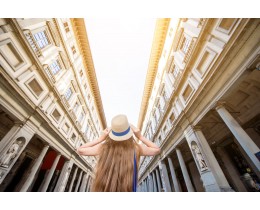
<point>161,29</point>
<point>79,29</point>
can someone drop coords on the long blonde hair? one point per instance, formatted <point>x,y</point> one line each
<point>115,167</point>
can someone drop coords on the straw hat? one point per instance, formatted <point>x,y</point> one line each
<point>120,128</point>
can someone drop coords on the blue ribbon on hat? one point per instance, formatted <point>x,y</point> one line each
<point>121,133</point>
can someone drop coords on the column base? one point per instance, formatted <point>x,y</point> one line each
<point>226,189</point>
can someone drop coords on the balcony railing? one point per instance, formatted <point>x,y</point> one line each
<point>189,50</point>
<point>33,44</point>
<point>49,73</point>
<point>65,101</point>
<point>177,40</point>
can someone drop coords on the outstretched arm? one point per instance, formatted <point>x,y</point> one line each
<point>93,148</point>
<point>149,148</point>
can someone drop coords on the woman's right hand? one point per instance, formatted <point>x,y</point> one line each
<point>105,133</point>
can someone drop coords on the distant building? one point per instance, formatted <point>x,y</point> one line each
<point>201,105</point>
<point>49,105</point>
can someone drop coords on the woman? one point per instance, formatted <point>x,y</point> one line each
<point>119,156</point>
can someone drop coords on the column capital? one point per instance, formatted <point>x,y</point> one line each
<point>219,104</point>
<point>197,128</point>
<point>19,123</point>
<point>58,153</point>
<point>46,144</point>
<point>177,148</point>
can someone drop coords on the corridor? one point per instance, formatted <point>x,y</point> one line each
<point>191,85</point>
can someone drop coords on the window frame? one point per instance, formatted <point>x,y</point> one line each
<point>47,34</point>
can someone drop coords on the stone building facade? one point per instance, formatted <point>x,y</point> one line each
<point>49,105</point>
<point>201,105</point>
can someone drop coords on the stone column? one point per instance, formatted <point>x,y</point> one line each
<point>64,175</point>
<point>165,177</point>
<point>150,178</point>
<point>79,179</point>
<point>213,163</point>
<point>158,180</point>
<point>83,183</point>
<point>86,185</point>
<point>147,185</point>
<point>154,182</point>
<point>143,184</point>
<point>34,169</point>
<point>49,176</point>
<point>234,174</point>
<point>73,179</point>
<point>143,189</point>
<point>88,182</point>
<point>242,137</point>
<point>184,171</point>
<point>174,178</point>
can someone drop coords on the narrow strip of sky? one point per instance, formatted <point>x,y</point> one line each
<point>121,50</point>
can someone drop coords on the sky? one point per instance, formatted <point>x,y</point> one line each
<point>121,50</point>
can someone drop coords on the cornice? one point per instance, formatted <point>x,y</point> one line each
<point>160,32</point>
<point>81,37</point>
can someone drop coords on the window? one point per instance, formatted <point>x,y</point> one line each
<point>165,130</point>
<point>66,128</point>
<point>160,139</point>
<point>41,39</point>
<point>55,67</point>
<point>185,45</point>
<point>172,118</point>
<point>81,117</point>
<point>176,71</point>
<point>35,87</point>
<point>75,108</point>
<point>159,108</point>
<point>66,27</point>
<point>73,137</point>
<point>81,73</point>
<point>68,94</point>
<point>56,115</point>
<point>155,116</point>
<point>164,96</point>
<point>86,130</point>
<point>73,49</point>
<point>187,92</point>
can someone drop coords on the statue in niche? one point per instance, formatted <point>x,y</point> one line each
<point>199,157</point>
<point>10,154</point>
<point>2,173</point>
